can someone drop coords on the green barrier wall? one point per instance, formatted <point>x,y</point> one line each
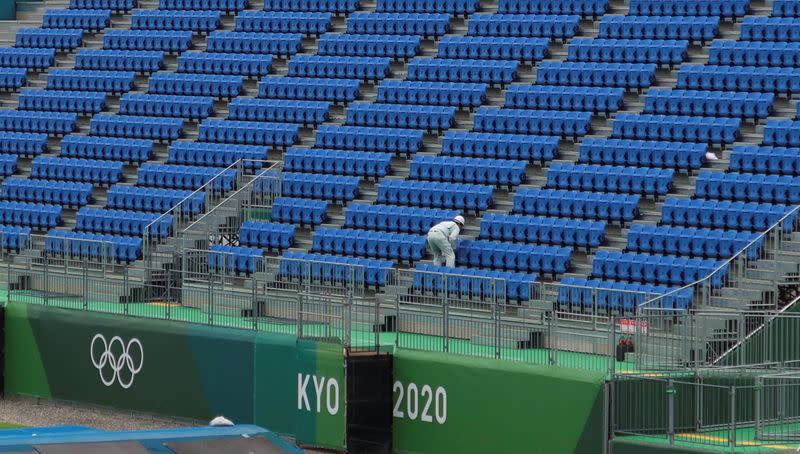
<point>449,403</point>
<point>178,369</point>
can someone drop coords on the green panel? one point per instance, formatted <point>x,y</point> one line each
<point>275,380</point>
<point>460,404</point>
<point>24,371</point>
<point>321,388</point>
<point>622,446</point>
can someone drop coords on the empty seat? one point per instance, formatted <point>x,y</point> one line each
<point>12,78</point>
<point>677,128</point>
<point>114,5</point>
<point>431,118</point>
<point>279,110</point>
<point>457,70</point>
<point>390,218</point>
<point>702,29</point>
<point>108,148</point>
<point>195,85</point>
<point>48,192</point>
<point>542,230</point>
<point>120,222</point>
<point>133,127</point>
<point>632,76</point>
<point>308,23</point>
<point>471,282</point>
<point>337,162</point>
<point>364,243</point>
<point>541,122</point>
<point>196,21</point>
<point>299,211</point>
<point>709,103</point>
<point>322,6</point>
<point>658,269</point>
<point>768,160</point>
<point>524,25</point>
<point>191,107</point>
<point>216,155</point>
<point>62,101</point>
<point>428,6</point>
<point>91,246</point>
<point>692,242</point>
<point>33,215</point>
<point>80,170</point>
<point>749,53</point>
<point>235,259</point>
<point>185,177</point>
<point>119,60</point>
<point>435,195</point>
<point>422,24</point>
<point>722,8</point>
<point>8,164</point>
<point>431,93</point>
<point>389,46</point>
<point>786,8</point>
<point>27,58</point>
<point>255,43</point>
<point>493,48</point>
<point>228,6</point>
<point>582,7</point>
<point>524,258</point>
<point>83,19</point>
<point>25,144</point>
<point>155,200</point>
<point>724,214</point>
<point>545,97</point>
<point>267,235</point>
<point>386,140</point>
<point>641,153</point>
<point>324,187</point>
<point>222,63</point>
<point>364,68</point>
<point>660,52</point>
<point>77,80</point>
<point>594,295</point>
<point>745,187</point>
<point>739,78</point>
<point>496,172</point>
<point>54,123</point>
<point>623,180</point>
<point>62,40</point>
<point>309,89</point>
<point>166,41</point>
<point>335,270</point>
<point>578,205</point>
<point>770,29</point>
<point>782,133</point>
<point>500,146</point>
<point>248,132</point>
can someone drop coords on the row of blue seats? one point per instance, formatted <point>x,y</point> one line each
<point>431,93</point>
<point>786,8</point>
<point>782,133</point>
<point>8,164</point>
<point>82,19</point>
<point>456,70</point>
<point>524,25</point>
<point>577,205</point>
<point>248,132</point>
<point>228,6</point>
<point>472,282</point>
<point>656,268</point>
<point>723,214</point>
<point>390,218</point>
<point>593,294</point>
<point>312,6</point>
<point>25,144</point>
<point>364,243</point>
<point>539,122</point>
<point>693,242</point>
<point>365,68</point>
<point>622,75</point>
<point>299,211</point>
<point>500,146</point>
<point>192,107</point>
<point>435,195</point>
<point>49,38</point>
<point>709,103</point>
<point>165,41</point>
<point>431,118</point>
<point>746,187</point>
<point>32,215</point>
<point>336,162</point>
<point>335,270</point>
<point>583,7</point>
<point>195,85</point>
<point>79,80</point>
<point>495,172</point>
<point>546,97</point>
<point>770,29</point>
<point>621,180</point>
<point>272,236</point>
<point>309,89</point>
<point>223,63</point>
<point>196,21</point>
<point>524,258</point>
<point>492,48</point>
<point>748,53</point>
<point>279,110</point>
<point>723,8</point>
<point>770,160</point>
<point>72,169</point>
<point>108,148</point>
<point>216,155</point>
<point>283,22</point>
<point>739,78</point>
<point>428,6</point>
<point>421,24</point>
<point>286,44</point>
<point>235,259</point>
<point>336,188</point>
<point>104,248</point>
<point>660,52</point>
<point>120,222</point>
<point>140,61</point>
<point>27,58</point>
<point>12,78</point>
<point>62,101</point>
<point>386,140</point>
<point>335,45</point>
<point>702,29</point>
<point>641,153</point>
<point>135,127</point>
<point>55,123</point>
<point>113,5</point>
<point>677,128</point>
<point>154,200</point>
<point>541,230</point>
<point>48,192</point>
<point>169,176</point>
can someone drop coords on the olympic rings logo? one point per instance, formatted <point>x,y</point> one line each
<point>110,366</point>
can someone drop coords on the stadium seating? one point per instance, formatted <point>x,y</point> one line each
<point>12,78</point>
<point>631,76</point>
<point>222,63</point>
<point>336,162</point>
<point>740,78</point>
<point>80,170</point>
<point>428,6</point>
<point>196,21</point>
<point>248,132</point>
<point>541,230</point>
<point>394,46</point>
<point>191,107</point>
<point>782,133</point>
<point>623,180</point>
<point>321,6</point>
<point>500,146</point>
<point>113,5</point>
<point>660,52</point>
<point>119,60</point>
<point>692,242</point>
<point>709,103</point>
<point>228,6</point>
<point>85,19</point>
<point>195,85</point>
<point>48,192</point>
<point>524,26</point>
<point>431,93</point>
<point>523,258</point>
<point>592,295</point>
<point>431,118</point>
<point>62,40</point>
<point>133,127</point>
<point>495,172</point>
<point>722,214</point>
<point>335,188</point>
<point>640,153</point>
<point>235,259</point>
<point>493,48</point>
<point>390,218</point>
<point>471,282</point>
<point>53,123</point>
<point>696,29</point>
<point>8,164</point>
<point>363,243</point>
<point>765,160</point>
<point>657,269</point>
<point>33,215</point>
<point>748,53</point>
<point>435,195</point>
<point>79,245</point>
<point>285,44</point>
<point>279,110</point>
<point>722,8</point>
<point>386,140</point>
<point>546,97</point>
<point>785,8</point>
<point>37,59</point>
<point>541,122</point>
<point>185,177</point>
<point>770,29</point>
<point>24,144</point>
<point>14,238</point>
<point>108,148</point>
<point>467,71</point>
<point>364,68</point>
<point>577,205</point>
<point>421,24</point>
<point>120,222</point>
<point>78,80</point>
<point>216,155</point>
<point>309,89</point>
<point>677,128</point>
<point>283,22</point>
<point>582,7</point>
<point>267,235</point>
<point>165,41</point>
<point>62,101</point>
<point>334,269</point>
<point>299,211</point>
<point>154,200</point>
<point>744,187</point>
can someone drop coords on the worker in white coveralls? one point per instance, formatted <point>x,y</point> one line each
<point>441,240</point>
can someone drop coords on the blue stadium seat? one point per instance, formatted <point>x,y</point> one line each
<point>692,242</point>
<point>431,93</point>
<point>495,172</point>
<point>216,155</point>
<point>119,60</point>
<point>62,101</point>
<point>622,180</point>
<point>767,160</point>
<point>431,118</point>
<point>320,6</point>
<point>749,53</point>
<point>336,188</point>
<point>299,211</point>
<point>660,52</point>
<point>631,76</point>
<point>153,200</point>
<point>248,132</point>
<point>53,123</point>
<point>739,78</point>
<point>37,59</point>
<point>62,40</point>
<point>389,46</point>
<point>279,110</point>
<point>195,85</point>
<point>577,205</point>
<point>583,7</point>
<point>221,63</point>
<point>386,140</point>
<point>266,235</point>
<point>401,247</point>
<point>108,148</point>
<point>542,230</point>
<point>782,133</point>
<point>82,19</point>
<point>435,195</point>
<point>48,192</point>
<point>309,89</point>
<point>677,128</point>
<point>337,162</point>
<point>745,187</point>
<point>235,259</point>
<point>8,164</point>
<point>308,23</point>
<point>78,80</point>
<point>428,6</point>
<point>228,6</point>
<point>523,258</point>
<point>33,215</point>
<point>335,270</point>
<point>500,146</point>
<point>93,246</point>
<point>785,8</point>
<point>541,122</point>
<point>545,97</point>
<point>185,177</point>
<point>477,283</point>
<point>121,222</point>
<point>364,68</point>
<point>191,107</point>
<point>659,269</point>
<point>770,29</point>
<point>80,170</point>
<point>593,295</point>
<point>493,48</point>
<point>709,103</point>
<point>390,218</point>
<point>696,29</point>
<point>118,6</point>
<point>14,238</point>
<point>723,214</point>
<point>134,127</point>
<point>722,8</point>
<point>196,21</point>
<point>165,41</point>
<point>458,70</point>
<point>640,153</point>
<point>421,24</point>
<point>12,78</point>
<point>285,44</point>
<point>25,144</point>
<point>524,26</point>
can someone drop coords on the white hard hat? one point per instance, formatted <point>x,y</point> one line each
<point>459,220</point>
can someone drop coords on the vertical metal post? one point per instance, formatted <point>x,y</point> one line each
<point>496,314</point>
<point>254,303</point>
<point>126,289</point>
<point>397,315</point>
<point>553,339</point>
<point>671,411</point>
<point>85,285</point>
<point>47,278</point>
<point>612,361</point>
<point>446,316</point>
<point>732,436</point>
<point>757,409</point>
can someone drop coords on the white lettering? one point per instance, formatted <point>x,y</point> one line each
<point>411,393</point>
<point>318,384</point>
<point>302,392</point>
<point>333,401</point>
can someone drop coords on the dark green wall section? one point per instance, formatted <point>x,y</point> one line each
<point>8,10</point>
